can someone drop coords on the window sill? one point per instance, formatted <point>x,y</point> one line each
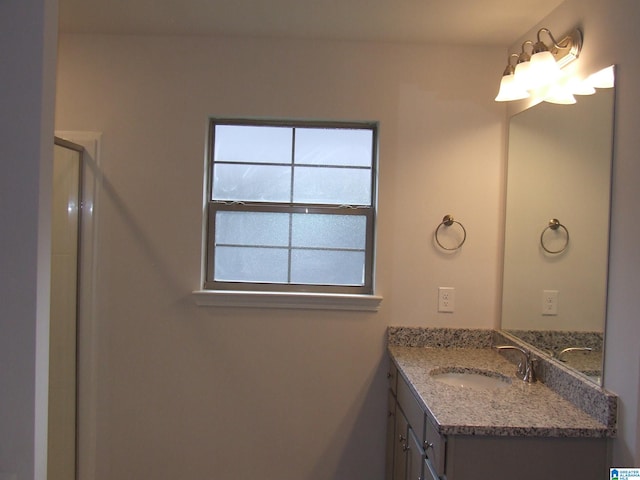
<point>302,300</point>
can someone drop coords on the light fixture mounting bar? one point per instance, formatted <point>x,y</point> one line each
<point>568,49</point>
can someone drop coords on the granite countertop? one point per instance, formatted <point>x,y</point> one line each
<point>521,409</point>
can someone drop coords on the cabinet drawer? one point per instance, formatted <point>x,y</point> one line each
<point>434,447</point>
<point>411,408</point>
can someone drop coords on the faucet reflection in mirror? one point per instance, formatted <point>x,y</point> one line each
<point>538,75</point>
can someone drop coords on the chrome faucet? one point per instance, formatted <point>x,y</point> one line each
<point>573,349</point>
<point>525,370</point>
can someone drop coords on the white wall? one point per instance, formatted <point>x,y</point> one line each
<point>194,392</point>
<point>611,37</point>
<point>26,153</point>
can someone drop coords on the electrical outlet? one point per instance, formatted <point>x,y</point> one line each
<point>446,299</point>
<point>550,302</point>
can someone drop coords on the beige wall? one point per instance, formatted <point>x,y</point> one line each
<point>197,392</point>
<point>611,37</point>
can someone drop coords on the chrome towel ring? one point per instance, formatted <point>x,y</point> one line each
<point>554,224</point>
<point>447,221</point>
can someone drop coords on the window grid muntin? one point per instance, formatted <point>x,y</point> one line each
<point>334,208</point>
<point>292,185</point>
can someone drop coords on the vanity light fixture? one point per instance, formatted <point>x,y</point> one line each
<point>581,87</point>
<point>559,92</point>
<point>510,89</point>
<point>544,69</point>
<point>521,74</point>
<point>539,73</point>
<point>605,78</point>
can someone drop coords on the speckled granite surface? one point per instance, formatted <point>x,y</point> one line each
<point>439,337</point>
<point>572,407</point>
<point>571,385</point>
<point>553,342</point>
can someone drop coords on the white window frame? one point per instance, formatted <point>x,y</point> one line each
<point>289,294</point>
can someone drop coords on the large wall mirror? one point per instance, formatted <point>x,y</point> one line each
<point>557,229</point>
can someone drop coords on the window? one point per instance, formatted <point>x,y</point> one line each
<point>291,206</point>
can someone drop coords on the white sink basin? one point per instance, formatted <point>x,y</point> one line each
<point>474,379</point>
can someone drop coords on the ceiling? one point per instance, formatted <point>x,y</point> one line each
<point>458,22</point>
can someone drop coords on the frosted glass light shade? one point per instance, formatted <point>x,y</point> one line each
<point>580,87</point>
<point>522,74</point>
<point>510,90</point>
<point>605,78</point>
<point>543,70</point>
<point>560,94</point>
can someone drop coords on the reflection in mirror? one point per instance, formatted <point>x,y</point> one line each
<point>555,279</point>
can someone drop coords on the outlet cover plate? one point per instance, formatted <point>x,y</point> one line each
<point>446,299</point>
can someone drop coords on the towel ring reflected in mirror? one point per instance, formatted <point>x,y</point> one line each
<point>448,221</point>
<point>554,225</point>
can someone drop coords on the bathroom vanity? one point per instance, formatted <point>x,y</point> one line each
<point>457,411</point>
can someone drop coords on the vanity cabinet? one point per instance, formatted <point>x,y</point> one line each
<point>417,451</point>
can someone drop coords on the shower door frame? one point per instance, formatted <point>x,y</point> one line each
<point>74,312</point>
<point>87,312</point>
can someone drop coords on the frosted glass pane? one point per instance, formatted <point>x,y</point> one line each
<point>237,143</point>
<point>321,267</point>
<point>251,228</point>
<point>329,231</point>
<point>330,146</point>
<point>348,186</point>
<point>240,264</point>
<point>251,183</point>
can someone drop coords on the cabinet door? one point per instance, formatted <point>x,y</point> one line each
<point>391,435</point>
<point>415,457</point>
<point>400,447</point>
<point>411,407</point>
<point>434,447</point>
